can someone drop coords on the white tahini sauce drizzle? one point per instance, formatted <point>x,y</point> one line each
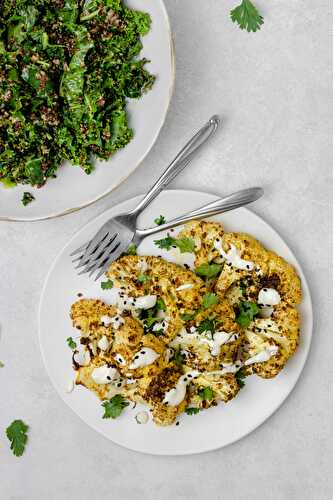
<point>126,303</point>
<point>263,355</point>
<point>161,325</point>
<point>146,356</point>
<point>186,286</point>
<point>106,320</point>
<point>82,356</point>
<point>232,256</point>
<point>103,343</point>
<point>176,395</point>
<point>219,339</point>
<point>142,265</point>
<point>185,259</point>
<point>214,341</point>
<point>104,374</point>
<point>269,297</point>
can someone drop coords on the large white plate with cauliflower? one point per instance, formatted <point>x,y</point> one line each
<point>187,345</point>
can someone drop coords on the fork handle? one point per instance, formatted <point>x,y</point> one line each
<point>179,163</point>
<point>230,202</point>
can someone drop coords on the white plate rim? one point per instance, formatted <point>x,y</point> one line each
<point>264,417</point>
<point>139,161</point>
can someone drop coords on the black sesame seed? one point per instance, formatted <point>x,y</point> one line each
<point>174,246</point>
<point>119,384</point>
<point>143,352</point>
<point>177,423</point>
<point>136,357</point>
<point>265,289</point>
<point>108,377</point>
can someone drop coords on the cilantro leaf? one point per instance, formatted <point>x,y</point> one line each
<point>132,249</point>
<point>207,325</point>
<point>240,376</point>
<point>246,312</point>
<point>178,357</point>
<point>160,304</point>
<point>160,220</point>
<point>189,316</point>
<point>143,278</point>
<point>206,393</point>
<point>106,285</point>
<point>209,300</point>
<point>27,198</point>
<point>192,410</point>
<point>184,244</point>
<point>1,364</point>
<point>71,343</point>
<point>17,434</point>
<point>247,17</point>
<point>208,270</point>
<point>114,407</point>
<point>150,321</point>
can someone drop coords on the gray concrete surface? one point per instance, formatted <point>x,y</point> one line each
<point>274,90</point>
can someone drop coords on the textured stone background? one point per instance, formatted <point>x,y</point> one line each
<point>274,90</point>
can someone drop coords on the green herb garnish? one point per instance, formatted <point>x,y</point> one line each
<point>209,300</point>
<point>189,316</point>
<point>160,304</point>
<point>27,198</point>
<point>114,407</point>
<point>206,393</point>
<point>132,249</point>
<point>107,285</point>
<point>71,343</point>
<point>17,435</point>
<point>247,16</point>
<point>208,270</point>
<point>160,220</point>
<point>184,244</point>
<point>143,278</point>
<point>1,364</point>
<point>240,377</point>
<point>192,411</point>
<point>246,313</point>
<point>207,325</point>
<point>178,357</point>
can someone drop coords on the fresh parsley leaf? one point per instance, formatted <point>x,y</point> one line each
<point>247,17</point>
<point>114,407</point>
<point>207,325</point>
<point>17,434</point>
<point>178,357</point>
<point>242,286</point>
<point>106,285</point>
<point>1,364</point>
<point>132,249</point>
<point>206,393</point>
<point>189,316</point>
<point>160,220</point>
<point>209,300</point>
<point>246,312</point>
<point>71,343</point>
<point>150,321</point>
<point>143,278</point>
<point>208,270</point>
<point>27,198</point>
<point>240,376</point>
<point>184,244</point>
<point>192,411</point>
<point>160,304</point>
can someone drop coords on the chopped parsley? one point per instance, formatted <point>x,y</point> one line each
<point>17,435</point>
<point>240,377</point>
<point>71,343</point>
<point>106,285</point>
<point>246,313</point>
<point>178,357</point>
<point>207,325</point>
<point>209,300</point>
<point>143,278</point>
<point>160,304</point>
<point>206,393</point>
<point>132,249</point>
<point>150,316</point>
<point>247,16</point>
<point>185,245</point>
<point>189,316</point>
<point>160,220</point>
<point>209,270</point>
<point>114,407</point>
<point>27,198</point>
<point>192,410</point>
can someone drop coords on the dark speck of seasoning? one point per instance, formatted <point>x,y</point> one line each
<point>177,423</point>
<point>159,256</point>
<point>143,352</point>
<point>80,294</point>
<point>265,289</point>
<point>174,246</point>
<point>185,379</point>
<point>247,266</point>
<point>136,357</point>
<point>119,384</point>
<point>189,375</point>
<point>125,302</point>
<point>171,230</point>
<point>186,266</point>
<point>108,377</point>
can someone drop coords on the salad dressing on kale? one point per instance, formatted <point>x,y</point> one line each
<point>66,70</point>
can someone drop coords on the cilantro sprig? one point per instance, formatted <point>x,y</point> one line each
<point>246,313</point>
<point>178,357</point>
<point>185,245</point>
<point>132,249</point>
<point>27,198</point>
<point>192,410</point>
<point>107,285</point>
<point>160,220</point>
<point>114,407</point>
<point>206,393</point>
<point>209,300</point>
<point>209,270</point>
<point>71,343</point>
<point>240,378</point>
<point>18,437</point>
<point>247,16</point>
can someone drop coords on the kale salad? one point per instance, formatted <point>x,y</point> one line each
<point>66,70</point>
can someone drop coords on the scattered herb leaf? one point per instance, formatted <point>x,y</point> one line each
<point>246,312</point>
<point>178,357</point>
<point>207,325</point>
<point>160,304</point>
<point>71,343</point>
<point>17,434</point>
<point>206,393</point>
<point>189,316</point>
<point>114,407</point>
<point>132,249</point>
<point>143,278</point>
<point>209,300</point>
<point>185,245</point>
<point>240,377</point>
<point>106,285</point>
<point>27,198</point>
<point>247,16</point>
<point>208,270</point>
<point>160,220</point>
<point>192,411</point>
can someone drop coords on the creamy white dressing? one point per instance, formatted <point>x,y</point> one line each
<point>106,320</point>
<point>142,265</point>
<point>214,341</point>
<point>263,355</point>
<point>269,297</point>
<point>266,312</point>
<point>232,256</point>
<point>82,356</point>
<point>70,387</point>
<point>186,286</point>
<point>142,417</point>
<point>104,375</point>
<point>226,368</point>
<point>161,325</point>
<point>127,303</point>
<point>177,394</point>
<point>93,347</point>
<point>182,259</point>
<point>103,343</point>
<point>146,356</point>
<point>219,339</point>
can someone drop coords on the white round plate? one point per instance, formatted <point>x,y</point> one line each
<point>208,430</point>
<point>73,189</point>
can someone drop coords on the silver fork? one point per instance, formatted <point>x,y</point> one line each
<point>113,237</point>
<point>230,202</point>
